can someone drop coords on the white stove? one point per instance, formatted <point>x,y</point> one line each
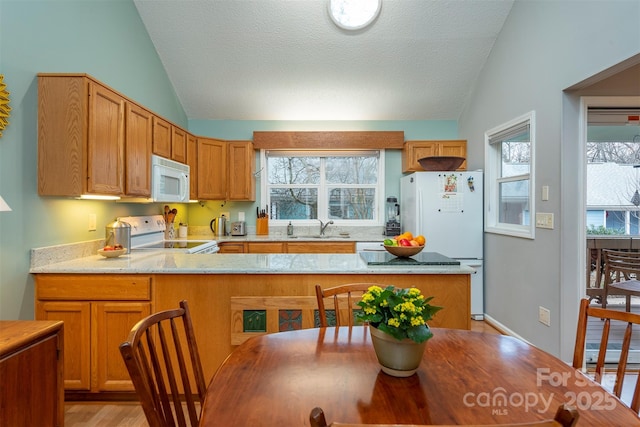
<point>148,232</point>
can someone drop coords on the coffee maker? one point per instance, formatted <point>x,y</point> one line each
<point>392,226</point>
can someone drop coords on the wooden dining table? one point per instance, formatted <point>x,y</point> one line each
<point>465,377</point>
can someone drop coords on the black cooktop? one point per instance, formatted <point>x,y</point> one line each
<point>423,258</point>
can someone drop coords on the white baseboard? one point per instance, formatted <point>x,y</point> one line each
<point>502,328</point>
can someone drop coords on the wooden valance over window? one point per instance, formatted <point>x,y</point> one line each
<point>319,140</point>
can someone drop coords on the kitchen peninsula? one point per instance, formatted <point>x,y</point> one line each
<point>102,298</point>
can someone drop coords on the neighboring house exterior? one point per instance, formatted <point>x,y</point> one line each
<point>613,198</point>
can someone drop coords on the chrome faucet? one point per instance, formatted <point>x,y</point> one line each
<point>323,226</point>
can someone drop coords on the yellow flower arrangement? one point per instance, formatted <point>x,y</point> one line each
<point>402,313</point>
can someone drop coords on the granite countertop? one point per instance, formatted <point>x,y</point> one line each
<point>170,262</point>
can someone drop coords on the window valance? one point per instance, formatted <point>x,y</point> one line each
<point>321,140</point>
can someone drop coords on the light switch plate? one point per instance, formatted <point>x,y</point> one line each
<point>92,222</point>
<point>545,192</point>
<point>544,220</point>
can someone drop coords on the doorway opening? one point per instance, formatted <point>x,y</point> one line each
<point>612,202</point>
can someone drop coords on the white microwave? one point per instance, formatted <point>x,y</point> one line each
<point>169,180</point>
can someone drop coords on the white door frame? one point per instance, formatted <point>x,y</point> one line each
<point>573,207</point>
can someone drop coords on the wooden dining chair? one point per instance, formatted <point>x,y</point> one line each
<point>601,314</point>
<point>344,298</point>
<point>621,269</point>
<point>566,416</point>
<point>163,376</point>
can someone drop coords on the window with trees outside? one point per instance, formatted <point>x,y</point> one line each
<point>342,186</point>
<point>509,201</point>
<point>613,171</point>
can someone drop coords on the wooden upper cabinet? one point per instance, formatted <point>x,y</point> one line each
<point>138,142</point>
<point>80,137</point>
<point>106,141</point>
<point>161,137</point>
<point>242,164</point>
<point>212,169</point>
<point>178,144</point>
<point>415,150</point>
<point>169,141</point>
<point>192,161</point>
<point>225,170</point>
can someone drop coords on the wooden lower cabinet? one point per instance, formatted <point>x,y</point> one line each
<point>77,324</point>
<point>321,248</point>
<point>111,323</point>
<point>98,312</point>
<point>231,247</point>
<point>266,247</point>
<point>209,297</point>
<point>275,247</point>
<point>31,355</point>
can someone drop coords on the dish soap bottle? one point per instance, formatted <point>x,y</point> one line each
<point>290,229</point>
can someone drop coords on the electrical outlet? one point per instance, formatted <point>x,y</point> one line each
<point>92,222</point>
<point>544,316</point>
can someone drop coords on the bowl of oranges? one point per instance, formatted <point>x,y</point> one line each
<point>405,245</point>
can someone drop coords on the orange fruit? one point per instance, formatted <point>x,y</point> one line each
<point>407,235</point>
<point>420,239</point>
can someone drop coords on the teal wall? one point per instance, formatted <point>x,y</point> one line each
<point>103,38</point>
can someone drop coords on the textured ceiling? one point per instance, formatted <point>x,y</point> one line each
<point>286,60</point>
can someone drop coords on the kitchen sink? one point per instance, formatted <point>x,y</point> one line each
<point>317,236</point>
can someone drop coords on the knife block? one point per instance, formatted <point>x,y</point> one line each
<point>262,226</point>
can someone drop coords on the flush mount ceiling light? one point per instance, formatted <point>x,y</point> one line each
<point>354,14</point>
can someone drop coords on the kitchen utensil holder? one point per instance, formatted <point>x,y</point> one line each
<point>262,226</point>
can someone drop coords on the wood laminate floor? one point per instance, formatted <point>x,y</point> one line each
<point>130,414</point>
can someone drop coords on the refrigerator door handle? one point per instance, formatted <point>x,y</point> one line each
<point>419,213</point>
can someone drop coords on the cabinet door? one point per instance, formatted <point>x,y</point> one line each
<point>63,104</point>
<point>212,169</point>
<point>241,166</point>
<point>138,140</point>
<point>415,150</point>
<point>161,137</point>
<point>111,324</point>
<point>192,161</point>
<point>321,248</point>
<point>265,248</point>
<point>178,144</point>
<point>231,248</point>
<point>105,148</point>
<point>454,148</point>
<point>29,380</point>
<point>77,339</point>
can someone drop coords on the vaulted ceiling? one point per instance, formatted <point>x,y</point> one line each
<point>287,60</point>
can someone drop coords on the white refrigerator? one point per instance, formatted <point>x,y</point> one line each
<point>447,209</point>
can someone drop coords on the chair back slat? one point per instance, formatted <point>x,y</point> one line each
<point>620,265</point>
<point>170,374</point>
<point>344,298</point>
<point>150,370</point>
<point>606,316</point>
<point>184,374</point>
<point>155,355</point>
